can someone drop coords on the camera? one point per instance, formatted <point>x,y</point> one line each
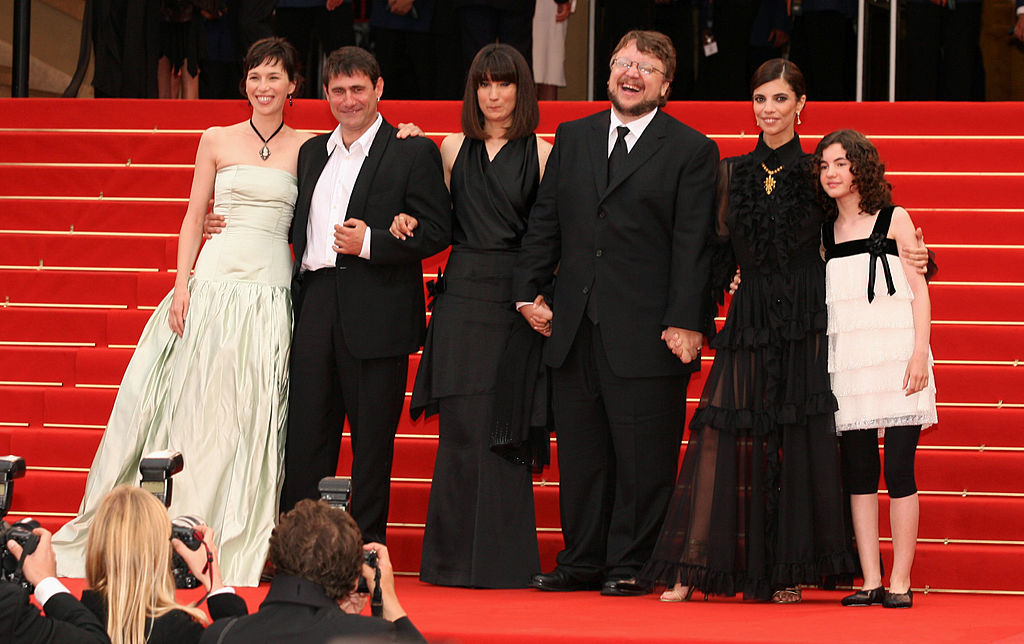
<point>21,533</point>
<point>337,492</point>
<point>156,469</point>
<point>13,467</point>
<point>184,528</point>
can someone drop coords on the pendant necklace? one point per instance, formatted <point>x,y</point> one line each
<point>265,151</point>
<point>769,181</point>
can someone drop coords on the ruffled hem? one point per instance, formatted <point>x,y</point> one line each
<point>785,575</point>
<point>925,420</point>
<point>760,423</point>
<point>730,583</point>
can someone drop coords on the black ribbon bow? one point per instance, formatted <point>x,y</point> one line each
<point>876,248</point>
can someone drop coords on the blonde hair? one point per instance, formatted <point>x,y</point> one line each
<point>128,562</point>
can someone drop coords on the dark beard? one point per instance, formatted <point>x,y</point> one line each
<point>641,108</point>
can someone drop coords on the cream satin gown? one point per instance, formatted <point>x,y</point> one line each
<point>219,395</point>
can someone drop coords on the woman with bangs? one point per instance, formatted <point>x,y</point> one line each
<point>481,529</point>
<point>128,568</point>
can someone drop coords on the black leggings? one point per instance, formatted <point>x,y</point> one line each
<point>861,464</point>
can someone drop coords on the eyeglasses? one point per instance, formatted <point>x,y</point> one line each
<point>624,64</point>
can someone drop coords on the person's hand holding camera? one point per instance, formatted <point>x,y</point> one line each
<point>389,598</point>
<point>42,563</point>
<point>203,561</point>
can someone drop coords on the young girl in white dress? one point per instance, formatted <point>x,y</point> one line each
<point>879,361</point>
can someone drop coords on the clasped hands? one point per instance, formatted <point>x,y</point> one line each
<point>683,343</point>
<point>538,315</point>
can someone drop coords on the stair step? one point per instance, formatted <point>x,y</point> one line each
<point>975,426</point>
<point>99,147</point>
<point>956,191</point>
<point>94,215</point>
<point>120,182</point>
<point>944,226</point>
<point>88,252</point>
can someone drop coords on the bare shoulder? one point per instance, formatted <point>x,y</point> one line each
<point>452,143</point>
<point>450,147</point>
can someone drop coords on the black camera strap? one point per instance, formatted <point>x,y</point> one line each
<point>376,599</point>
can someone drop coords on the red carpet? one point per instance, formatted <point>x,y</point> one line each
<point>459,615</point>
<point>91,197</point>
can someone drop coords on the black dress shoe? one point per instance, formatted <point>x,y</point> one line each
<point>561,581</point>
<point>899,600</point>
<point>872,597</point>
<point>624,587</point>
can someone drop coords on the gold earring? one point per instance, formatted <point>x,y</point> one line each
<point>798,118</point>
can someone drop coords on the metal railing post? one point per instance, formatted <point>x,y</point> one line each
<point>20,55</point>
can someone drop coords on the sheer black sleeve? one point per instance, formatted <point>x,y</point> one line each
<point>723,260</point>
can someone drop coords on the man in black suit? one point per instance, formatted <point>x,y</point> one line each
<point>623,213</point>
<point>357,291</point>
<point>66,620</point>
<point>318,554</point>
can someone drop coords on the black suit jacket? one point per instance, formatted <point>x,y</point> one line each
<point>175,627</point>
<point>638,245</point>
<point>296,611</point>
<point>67,620</point>
<point>381,299</point>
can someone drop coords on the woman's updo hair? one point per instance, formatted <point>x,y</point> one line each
<point>272,50</point>
<point>779,68</point>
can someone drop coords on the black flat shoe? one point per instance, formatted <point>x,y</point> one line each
<point>559,580</point>
<point>872,597</point>
<point>899,600</point>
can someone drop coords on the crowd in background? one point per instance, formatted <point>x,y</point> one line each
<point>193,48</point>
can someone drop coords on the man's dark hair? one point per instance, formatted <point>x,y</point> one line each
<point>349,61</point>
<point>320,544</point>
<point>272,50</point>
<point>500,63</point>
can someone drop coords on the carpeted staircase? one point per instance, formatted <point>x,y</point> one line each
<point>91,197</point>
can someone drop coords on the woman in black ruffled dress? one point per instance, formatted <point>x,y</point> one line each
<point>480,530</point>
<point>758,506</point>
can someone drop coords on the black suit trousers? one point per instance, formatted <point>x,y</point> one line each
<point>618,454</point>
<point>327,385</point>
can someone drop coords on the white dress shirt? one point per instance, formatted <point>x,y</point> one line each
<point>636,129</point>
<point>331,196</point>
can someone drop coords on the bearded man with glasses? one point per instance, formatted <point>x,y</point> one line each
<point>623,213</point>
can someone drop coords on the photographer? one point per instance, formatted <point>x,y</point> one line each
<point>128,568</point>
<point>318,553</point>
<point>66,620</point>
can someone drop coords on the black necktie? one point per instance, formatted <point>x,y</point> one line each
<point>617,160</point>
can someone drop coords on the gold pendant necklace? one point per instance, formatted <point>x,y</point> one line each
<point>769,181</point>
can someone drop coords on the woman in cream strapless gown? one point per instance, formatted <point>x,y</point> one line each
<point>209,376</point>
